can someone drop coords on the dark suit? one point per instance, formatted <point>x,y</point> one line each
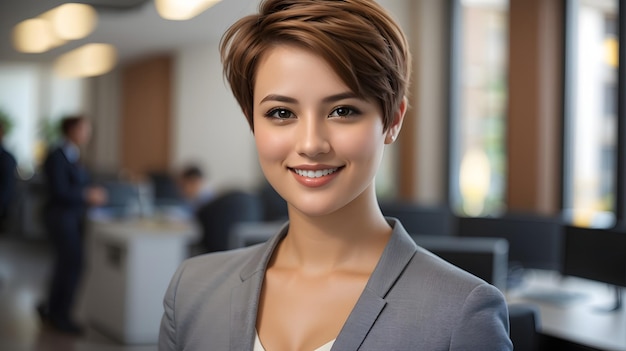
<point>64,216</point>
<point>412,301</point>
<point>7,181</point>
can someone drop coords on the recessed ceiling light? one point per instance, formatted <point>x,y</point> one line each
<point>72,21</point>
<point>182,9</point>
<point>86,61</point>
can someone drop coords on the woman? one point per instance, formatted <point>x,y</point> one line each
<point>323,85</point>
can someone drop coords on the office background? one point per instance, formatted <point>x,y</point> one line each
<point>516,115</point>
<point>496,84</point>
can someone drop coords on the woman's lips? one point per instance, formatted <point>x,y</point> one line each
<point>315,176</point>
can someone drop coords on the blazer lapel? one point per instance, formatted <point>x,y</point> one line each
<point>397,254</point>
<point>244,301</point>
<point>360,321</point>
<point>243,309</point>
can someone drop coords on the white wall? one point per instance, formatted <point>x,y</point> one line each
<point>429,45</point>
<point>105,111</point>
<point>209,127</point>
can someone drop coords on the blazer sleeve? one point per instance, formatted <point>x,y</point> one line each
<point>61,189</point>
<point>484,322</point>
<point>167,332</point>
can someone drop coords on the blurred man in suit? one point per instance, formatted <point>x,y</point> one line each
<point>8,169</point>
<point>69,196</point>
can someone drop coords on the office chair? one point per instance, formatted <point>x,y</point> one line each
<point>524,322</point>
<point>217,217</point>
<point>274,206</point>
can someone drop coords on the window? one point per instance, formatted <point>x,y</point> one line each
<point>478,106</point>
<point>590,167</point>
<point>33,97</point>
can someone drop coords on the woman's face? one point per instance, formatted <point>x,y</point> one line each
<point>319,145</point>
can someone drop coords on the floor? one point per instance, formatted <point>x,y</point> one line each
<point>24,268</point>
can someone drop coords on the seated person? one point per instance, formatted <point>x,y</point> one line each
<point>194,188</point>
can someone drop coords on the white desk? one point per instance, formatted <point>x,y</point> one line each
<point>576,320</point>
<point>129,266</point>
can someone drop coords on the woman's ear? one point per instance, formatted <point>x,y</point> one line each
<point>396,125</point>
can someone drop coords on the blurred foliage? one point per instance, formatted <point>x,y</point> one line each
<point>50,130</point>
<point>6,122</point>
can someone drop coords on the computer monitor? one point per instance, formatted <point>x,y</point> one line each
<point>535,242</point>
<point>486,258</point>
<point>420,219</point>
<point>245,234</point>
<point>596,254</point>
<point>165,191</point>
<point>121,196</point>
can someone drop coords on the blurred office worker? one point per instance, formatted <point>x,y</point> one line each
<point>69,196</point>
<point>8,167</point>
<point>194,188</point>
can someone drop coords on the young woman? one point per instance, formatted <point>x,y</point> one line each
<point>323,85</point>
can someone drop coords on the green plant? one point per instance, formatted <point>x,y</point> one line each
<point>49,130</point>
<point>6,122</point>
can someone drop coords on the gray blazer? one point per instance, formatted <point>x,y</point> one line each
<point>412,301</point>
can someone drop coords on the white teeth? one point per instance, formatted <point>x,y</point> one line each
<point>315,174</point>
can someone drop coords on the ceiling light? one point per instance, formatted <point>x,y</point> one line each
<point>33,36</point>
<point>55,27</point>
<point>182,9</point>
<point>72,21</point>
<point>87,61</point>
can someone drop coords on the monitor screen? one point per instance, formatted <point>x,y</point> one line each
<point>165,190</point>
<point>121,197</point>
<point>485,258</point>
<point>419,219</point>
<point>245,234</point>
<point>595,254</point>
<point>535,242</point>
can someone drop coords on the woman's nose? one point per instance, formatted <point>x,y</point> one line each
<point>312,138</point>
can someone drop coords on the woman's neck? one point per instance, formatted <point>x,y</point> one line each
<point>350,238</point>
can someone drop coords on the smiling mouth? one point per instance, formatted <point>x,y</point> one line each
<point>315,173</point>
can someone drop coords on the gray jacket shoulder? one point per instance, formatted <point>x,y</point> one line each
<point>198,300</point>
<point>443,308</point>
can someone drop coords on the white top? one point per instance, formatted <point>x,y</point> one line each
<point>259,347</point>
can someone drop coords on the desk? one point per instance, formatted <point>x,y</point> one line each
<point>576,318</point>
<point>130,264</point>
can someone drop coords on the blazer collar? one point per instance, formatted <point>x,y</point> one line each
<point>245,297</point>
<point>397,254</point>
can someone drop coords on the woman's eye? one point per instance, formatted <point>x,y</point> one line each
<point>343,111</point>
<point>280,113</point>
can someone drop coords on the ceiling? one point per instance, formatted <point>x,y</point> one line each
<point>132,26</point>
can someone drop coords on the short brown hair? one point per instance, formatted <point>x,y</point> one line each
<point>363,44</point>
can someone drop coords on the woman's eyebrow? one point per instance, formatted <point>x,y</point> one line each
<point>328,99</point>
<point>279,98</point>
